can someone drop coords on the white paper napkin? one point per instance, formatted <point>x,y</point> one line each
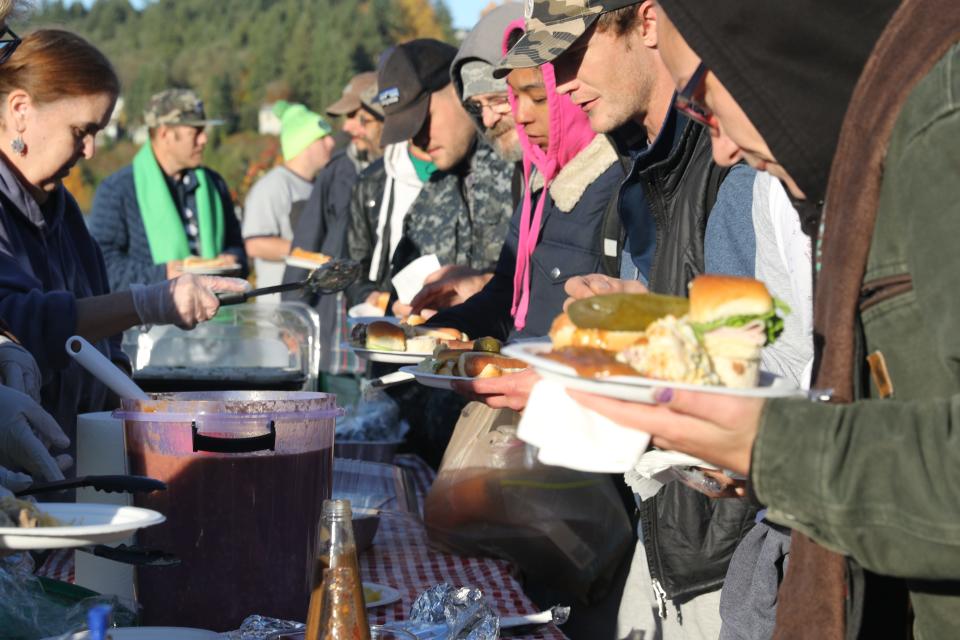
<point>409,280</point>
<point>656,468</point>
<point>364,310</point>
<point>568,435</point>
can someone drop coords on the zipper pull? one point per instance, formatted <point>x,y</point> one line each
<point>661,598</point>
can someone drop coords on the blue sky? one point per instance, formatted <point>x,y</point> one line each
<point>466,12</point>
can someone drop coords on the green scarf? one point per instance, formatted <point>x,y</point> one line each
<point>162,221</point>
<point>424,168</point>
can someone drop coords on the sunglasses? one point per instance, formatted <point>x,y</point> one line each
<point>689,106</point>
<point>9,41</point>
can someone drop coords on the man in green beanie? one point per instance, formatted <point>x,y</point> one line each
<point>274,202</point>
<point>165,207</point>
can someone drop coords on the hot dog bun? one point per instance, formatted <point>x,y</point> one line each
<point>475,364</point>
<point>564,333</point>
<point>440,333</point>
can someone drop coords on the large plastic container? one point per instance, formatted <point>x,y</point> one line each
<point>247,473</point>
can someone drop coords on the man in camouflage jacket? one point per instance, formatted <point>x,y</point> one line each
<point>461,215</point>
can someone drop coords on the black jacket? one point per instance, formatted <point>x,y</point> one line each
<point>680,191</point>
<point>362,230</point>
<point>569,245</point>
<point>322,226</point>
<point>689,538</point>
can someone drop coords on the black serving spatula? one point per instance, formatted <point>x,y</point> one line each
<point>126,484</point>
<point>332,277</point>
<point>133,554</point>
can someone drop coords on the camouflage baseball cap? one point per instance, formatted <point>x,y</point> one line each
<point>176,107</point>
<point>551,27</point>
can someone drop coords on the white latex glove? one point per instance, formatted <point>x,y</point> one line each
<point>185,301</point>
<point>18,369</point>
<point>12,481</point>
<point>26,432</point>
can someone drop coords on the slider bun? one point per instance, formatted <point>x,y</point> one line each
<point>475,364</point>
<point>713,297</point>
<point>414,320</point>
<point>385,336</point>
<point>563,333</point>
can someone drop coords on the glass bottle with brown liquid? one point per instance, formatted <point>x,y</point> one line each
<point>337,610</point>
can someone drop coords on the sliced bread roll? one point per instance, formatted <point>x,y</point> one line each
<point>385,336</point>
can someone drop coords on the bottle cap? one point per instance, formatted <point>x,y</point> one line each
<point>337,508</point>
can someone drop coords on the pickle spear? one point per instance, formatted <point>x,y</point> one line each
<point>625,311</point>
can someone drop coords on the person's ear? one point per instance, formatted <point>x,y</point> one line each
<point>647,15</point>
<point>19,104</point>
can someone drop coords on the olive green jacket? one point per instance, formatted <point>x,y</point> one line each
<point>879,480</point>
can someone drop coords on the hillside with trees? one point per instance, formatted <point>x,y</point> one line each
<point>238,54</point>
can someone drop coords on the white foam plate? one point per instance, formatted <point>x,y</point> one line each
<point>388,595</point>
<point>89,523</point>
<point>434,380</point>
<point>148,633</point>
<point>388,357</point>
<point>302,263</point>
<point>637,388</point>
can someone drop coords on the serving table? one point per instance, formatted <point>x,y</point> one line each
<point>402,558</point>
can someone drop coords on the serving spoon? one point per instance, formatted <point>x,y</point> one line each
<point>330,277</point>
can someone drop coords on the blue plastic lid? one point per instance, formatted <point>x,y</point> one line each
<point>98,621</point>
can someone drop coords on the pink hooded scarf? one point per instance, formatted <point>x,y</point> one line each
<point>570,133</point>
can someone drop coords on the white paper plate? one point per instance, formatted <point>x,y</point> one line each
<point>89,523</point>
<point>201,270</point>
<point>637,388</point>
<point>302,263</point>
<point>389,357</point>
<point>369,319</point>
<point>388,595</point>
<point>434,380</point>
<point>149,633</point>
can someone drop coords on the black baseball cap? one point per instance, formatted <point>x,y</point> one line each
<point>408,74</point>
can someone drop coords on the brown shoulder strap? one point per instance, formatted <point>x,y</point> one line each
<point>919,34</point>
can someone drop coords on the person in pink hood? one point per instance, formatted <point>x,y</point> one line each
<point>552,132</point>
<point>570,176</point>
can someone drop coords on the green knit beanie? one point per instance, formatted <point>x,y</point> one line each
<point>299,127</point>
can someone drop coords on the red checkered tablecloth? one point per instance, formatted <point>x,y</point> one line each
<point>402,558</point>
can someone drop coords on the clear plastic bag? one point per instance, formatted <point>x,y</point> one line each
<point>29,609</point>
<point>375,417</point>
<point>491,497</point>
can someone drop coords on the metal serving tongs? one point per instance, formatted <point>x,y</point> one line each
<point>331,277</point>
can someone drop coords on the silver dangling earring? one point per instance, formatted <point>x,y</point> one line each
<point>18,146</point>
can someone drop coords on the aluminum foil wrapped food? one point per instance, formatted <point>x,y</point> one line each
<point>445,612</point>
<point>262,628</point>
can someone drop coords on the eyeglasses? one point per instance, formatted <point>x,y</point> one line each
<point>9,41</point>
<point>689,106</point>
<point>500,106</point>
